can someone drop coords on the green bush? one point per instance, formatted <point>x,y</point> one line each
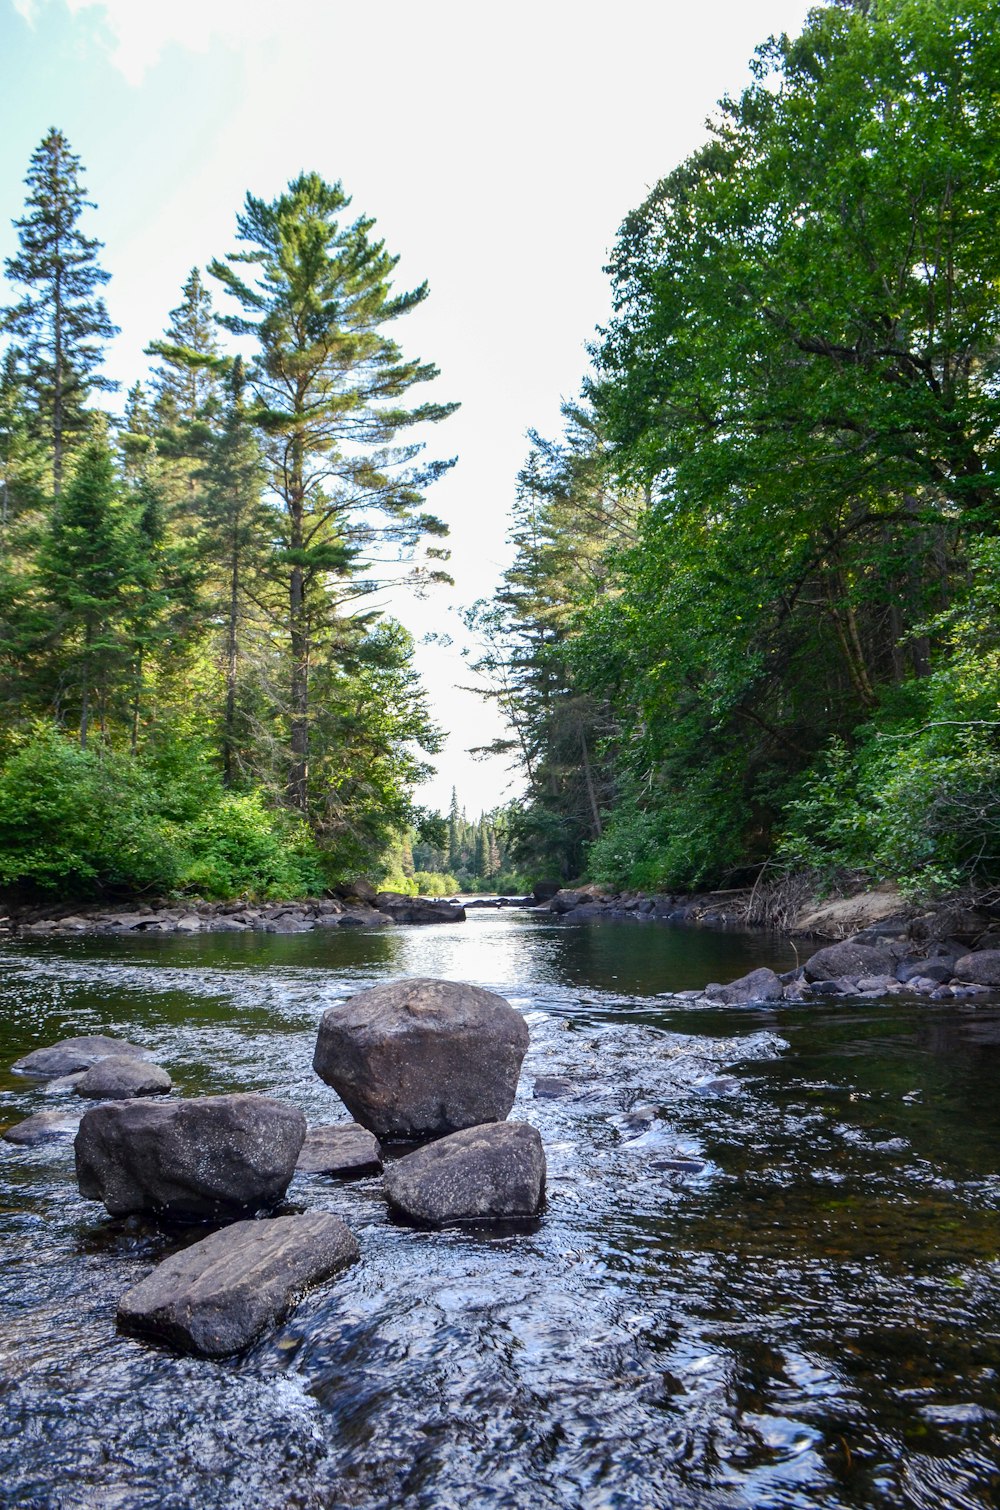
<point>692,837</point>
<point>82,822</point>
<point>432,883</point>
<point>242,846</point>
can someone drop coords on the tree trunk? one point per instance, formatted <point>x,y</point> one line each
<point>229,725</point>
<point>298,775</point>
<point>595,811</point>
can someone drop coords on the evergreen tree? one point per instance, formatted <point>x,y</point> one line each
<point>93,566</point>
<point>235,539</point>
<point>60,325</point>
<point>328,383</point>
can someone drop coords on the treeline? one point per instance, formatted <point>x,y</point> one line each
<point>196,686</point>
<point>752,618</point>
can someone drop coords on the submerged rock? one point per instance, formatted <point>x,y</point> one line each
<point>554,1087</point>
<point>492,1173</point>
<point>43,1127</point>
<point>119,1079</point>
<point>343,1148</point>
<point>418,1058</point>
<point>70,1055</point>
<point>219,1295</point>
<point>198,1160</point>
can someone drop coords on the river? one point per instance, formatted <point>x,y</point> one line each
<point>767,1273</point>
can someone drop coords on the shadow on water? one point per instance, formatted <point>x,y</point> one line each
<point>768,1272</point>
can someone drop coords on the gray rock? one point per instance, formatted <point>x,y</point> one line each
<point>43,1127</point>
<point>343,1148</point>
<point>487,1173</point>
<point>118,1079</point>
<point>359,890</point>
<point>759,985</point>
<point>553,1087</point>
<point>203,1159</point>
<point>877,984</point>
<point>356,917</point>
<point>219,1295</point>
<point>418,1058</point>
<point>937,970</point>
<point>850,959</point>
<point>981,968</point>
<point>72,1054</point>
<point>406,909</point>
<point>585,912</point>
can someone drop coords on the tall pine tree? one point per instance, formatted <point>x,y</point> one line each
<point>328,383</point>
<point>60,325</point>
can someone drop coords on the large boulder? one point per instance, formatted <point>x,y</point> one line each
<point>490,1173</point>
<point>72,1054</point>
<point>119,1079</point>
<point>418,1058</point>
<point>342,1148</point>
<point>406,909</point>
<point>218,1295</point>
<point>982,967</point>
<point>851,959</point>
<point>204,1159</point>
<point>759,985</point>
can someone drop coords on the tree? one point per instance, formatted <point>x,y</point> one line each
<point>61,323</point>
<point>327,383</point>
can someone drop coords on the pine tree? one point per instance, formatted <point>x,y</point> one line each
<point>454,833</point>
<point>92,566</point>
<point>234,536</point>
<point>61,323</point>
<point>328,383</point>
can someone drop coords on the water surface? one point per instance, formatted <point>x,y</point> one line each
<point>767,1273</point>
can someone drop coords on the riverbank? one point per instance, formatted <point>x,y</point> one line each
<point>878,944</point>
<point>360,906</point>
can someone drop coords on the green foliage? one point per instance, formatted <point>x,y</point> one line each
<point>240,846</point>
<point>81,822</point>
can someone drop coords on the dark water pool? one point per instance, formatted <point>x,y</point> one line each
<point>768,1272</point>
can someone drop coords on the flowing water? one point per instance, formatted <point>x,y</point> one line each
<point>767,1273</point>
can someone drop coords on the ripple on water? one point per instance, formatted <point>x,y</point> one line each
<point>766,1274</point>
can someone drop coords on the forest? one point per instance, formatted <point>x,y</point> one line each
<point>751,624</point>
<point>198,691</point>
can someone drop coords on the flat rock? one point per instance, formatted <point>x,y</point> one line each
<point>118,1079</point>
<point>419,1058</point>
<point>492,1173</point>
<point>850,959</point>
<point>219,1295</point>
<point>203,1159</point>
<point>759,985</point>
<point>72,1054</point>
<point>981,967</point>
<point>342,1148</point>
<point>43,1127</point>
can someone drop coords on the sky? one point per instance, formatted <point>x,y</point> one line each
<point>498,148</point>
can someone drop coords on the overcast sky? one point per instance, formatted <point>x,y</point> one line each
<point>498,149</point>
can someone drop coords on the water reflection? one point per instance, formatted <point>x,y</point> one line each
<point>767,1274</point>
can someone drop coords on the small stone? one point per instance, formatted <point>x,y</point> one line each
<point>72,1054</point>
<point>118,1079</point>
<point>217,1296</point>
<point>554,1087</point>
<point>343,1148</point>
<point>492,1173</point>
<point>43,1127</point>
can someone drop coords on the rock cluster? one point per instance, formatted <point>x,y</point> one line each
<point>953,954</point>
<point>418,1058</point>
<point>360,907</point>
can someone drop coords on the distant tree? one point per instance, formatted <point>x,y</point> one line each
<point>61,323</point>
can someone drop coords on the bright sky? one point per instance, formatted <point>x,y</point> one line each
<point>497,147</point>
